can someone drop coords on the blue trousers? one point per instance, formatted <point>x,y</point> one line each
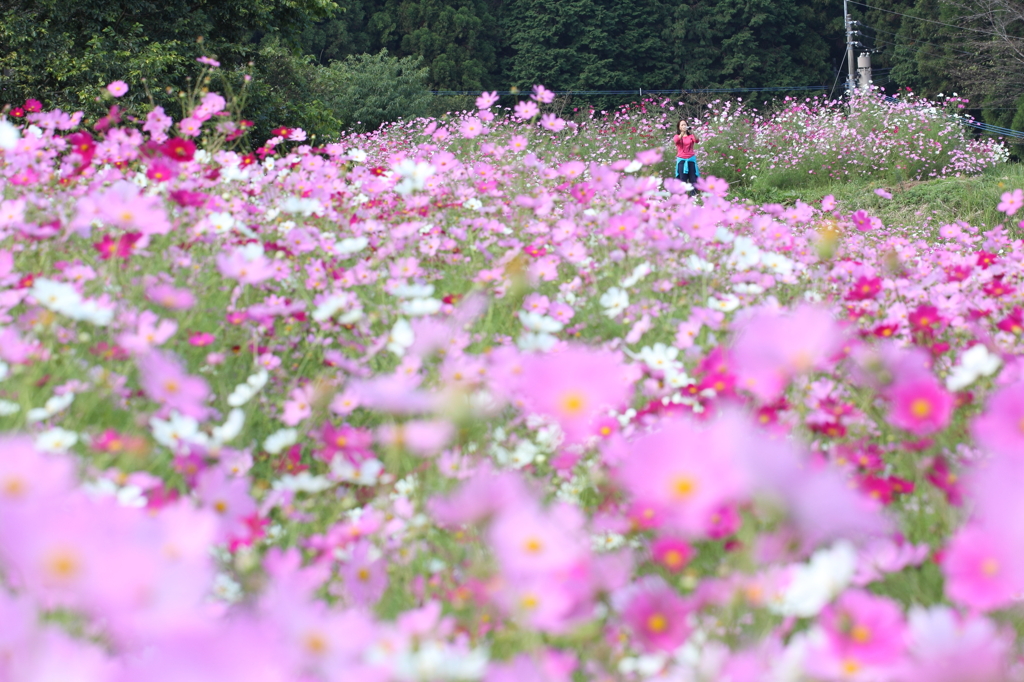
<point>687,171</point>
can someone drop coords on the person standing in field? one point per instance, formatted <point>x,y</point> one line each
<point>686,159</point>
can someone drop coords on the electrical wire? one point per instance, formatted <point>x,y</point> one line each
<point>930,21</point>
<point>846,54</point>
<point>677,91</point>
<point>914,40</point>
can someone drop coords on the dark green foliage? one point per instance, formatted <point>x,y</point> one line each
<point>753,43</point>
<point>303,55</point>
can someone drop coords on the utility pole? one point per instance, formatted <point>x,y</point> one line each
<point>851,73</point>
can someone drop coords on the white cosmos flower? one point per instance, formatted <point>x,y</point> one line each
<point>777,263</point>
<point>535,322</point>
<point>639,272</point>
<point>614,301</point>
<point>633,166</point>
<point>279,440</point>
<point>420,306</point>
<point>230,429</point>
<point>350,245</point>
<point>7,408</point>
<point>414,175</point>
<point>367,473</point>
<point>745,254</point>
<point>536,341</point>
<point>221,222</point>
<point>56,440</point>
<point>726,303</point>
<point>9,135</point>
<point>54,404</point>
<point>816,583</point>
<point>698,266</point>
<point>176,430</point>
<point>401,337</point>
<point>303,482</point>
<point>357,155</point>
<point>977,361</point>
<point>413,290</point>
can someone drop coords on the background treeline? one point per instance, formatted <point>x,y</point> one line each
<point>327,65</point>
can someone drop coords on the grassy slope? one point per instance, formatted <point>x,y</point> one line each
<point>933,202</point>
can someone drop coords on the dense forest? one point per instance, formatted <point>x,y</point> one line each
<point>329,64</point>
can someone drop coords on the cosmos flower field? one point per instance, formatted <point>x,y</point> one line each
<point>489,398</point>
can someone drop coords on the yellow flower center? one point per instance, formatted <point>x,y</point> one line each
<point>861,634</point>
<point>921,408</point>
<point>533,546</point>
<point>673,558</point>
<point>657,623</point>
<point>683,487</point>
<point>63,565</point>
<point>989,567</point>
<point>14,487</point>
<point>573,403</point>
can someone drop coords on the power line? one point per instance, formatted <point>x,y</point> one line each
<point>930,21</point>
<point>914,40</point>
<point>837,76</point>
<point>677,91</point>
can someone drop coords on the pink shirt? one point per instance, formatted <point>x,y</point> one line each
<point>684,145</point>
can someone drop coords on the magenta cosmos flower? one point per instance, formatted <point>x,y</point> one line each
<point>920,405</point>
<point>657,616</point>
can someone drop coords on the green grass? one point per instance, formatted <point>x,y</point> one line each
<point>970,199</point>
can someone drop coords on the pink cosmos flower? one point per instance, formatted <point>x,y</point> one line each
<point>656,614</point>
<point>862,221</point>
<point>471,127</point>
<point>486,100</point>
<point>920,405</point>
<point>574,387</point>
<point>190,127</point>
<point>526,110</point>
<point>151,331</point>
<point>945,646</point>
<point>774,347</point>
<point>365,575</point>
<point>165,381</point>
<point>299,406</point>
<point>649,157</point>
<point>246,264</point>
<point>542,95</point>
<point>882,193</point>
<point>712,185</point>
<point>828,203</point>
<point>552,122</point>
<point>863,629</point>
<point>1000,429</point>
<point>1011,202</point>
<point>672,553</point>
<point>228,497</point>
<point>528,540</point>
<point>117,88</point>
<point>982,570</point>
<point>170,297</point>
<point>124,206</point>
<point>685,485</point>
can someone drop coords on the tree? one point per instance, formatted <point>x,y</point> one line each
<point>60,52</point>
<point>752,43</point>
